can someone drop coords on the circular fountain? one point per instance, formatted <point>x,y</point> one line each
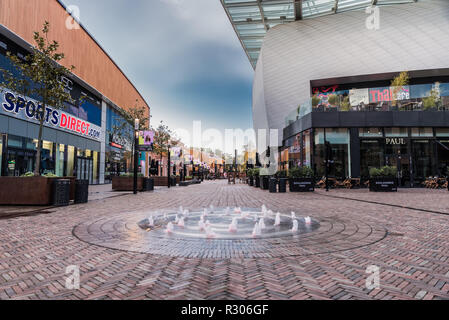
<point>223,233</point>
<point>226,224</point>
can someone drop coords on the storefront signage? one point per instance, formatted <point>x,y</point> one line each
<point>116,145</point>
<point>386,94</point>
<point>358,96</point>
<point>17,106</point>
<point>395,141</point>
<point>328,90</point>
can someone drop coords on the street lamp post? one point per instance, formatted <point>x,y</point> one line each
<point>136,154</point>
<point>168,166</point>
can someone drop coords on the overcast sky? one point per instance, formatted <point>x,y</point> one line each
<point>182,55</point>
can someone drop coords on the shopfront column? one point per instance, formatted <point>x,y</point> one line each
<point>354,155</point>
<point>103,142</point>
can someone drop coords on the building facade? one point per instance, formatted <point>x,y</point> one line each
<point>326,77</point>
<point>80,140</point>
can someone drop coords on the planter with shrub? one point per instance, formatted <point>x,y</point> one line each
<point>301,179</point>
<point>31,190</point>
<point>383,179</point>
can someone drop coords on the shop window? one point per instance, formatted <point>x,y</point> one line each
<point>96,168</point>
<point>422,132</point>
<point>15,142</point>
<point>420,90</point>
<point>371,156</point>
<point>59,171</point>
<point>444,89</point>
<point>307,156</point>
<point>47,159</point>
<point>90,112</point>
<point>339,140</point>
<point>443,157</point>
<point>70,161</point>
<point>396,132</point>
<point>442,132</point>
<point>370,132</point>
<point>422,154</point>
<point>1,153</point>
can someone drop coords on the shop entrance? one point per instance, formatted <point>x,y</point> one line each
<point>85,169</point>
<point>403,163</point>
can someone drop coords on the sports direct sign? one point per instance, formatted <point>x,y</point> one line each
<point>16,106</point>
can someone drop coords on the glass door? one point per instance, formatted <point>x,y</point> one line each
<point>85,169</point>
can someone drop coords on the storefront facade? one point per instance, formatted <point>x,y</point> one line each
<point>370,126</point>
<point>80,139</point>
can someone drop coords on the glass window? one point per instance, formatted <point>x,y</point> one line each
<point>47,159</point>
<point>371,156</point>
<point>370,132</point>
<point>70,161</point>
<point>442,132</point>
<point>60,160</point>
<point>420,90</point>
<point>96,168</point>
<point>307,156</point>
<point>90,112</point>
<point>396,132</point>
<point>15,142</point>
<point>1,152</point>
<point>294,151</point>
<point>422,132</point>
<point>422,154</point>
<point>443,157</point>
<point>339,140</point>
<point>444,89</point>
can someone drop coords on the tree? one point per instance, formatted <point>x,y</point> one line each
<point>432,100</point>
<point>397,84</point>
<point>40,77</point>
<point>163,137</point>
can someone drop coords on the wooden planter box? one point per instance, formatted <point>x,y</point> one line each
<point>383,184</point>
<point>302,184</point>
<point>26,191</point>
<point>160,181</point>
<point>251,181</point>
<point>126,183</point>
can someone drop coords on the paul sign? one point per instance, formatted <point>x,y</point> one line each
<point>27,109</point>
<point>395,141</point>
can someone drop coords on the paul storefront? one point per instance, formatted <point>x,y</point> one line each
<point>370,125</point>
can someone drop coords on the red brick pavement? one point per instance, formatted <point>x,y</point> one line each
<point>413,259</point>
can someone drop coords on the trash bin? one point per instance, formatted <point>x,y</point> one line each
<point>81,191</point>
<point>148,184</point>
<point>173,181</point>
<point>61,192</point>
<point>273,185</point>
<point>282,185</point>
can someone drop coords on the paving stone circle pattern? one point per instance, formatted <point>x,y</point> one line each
<point>132,232</point>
